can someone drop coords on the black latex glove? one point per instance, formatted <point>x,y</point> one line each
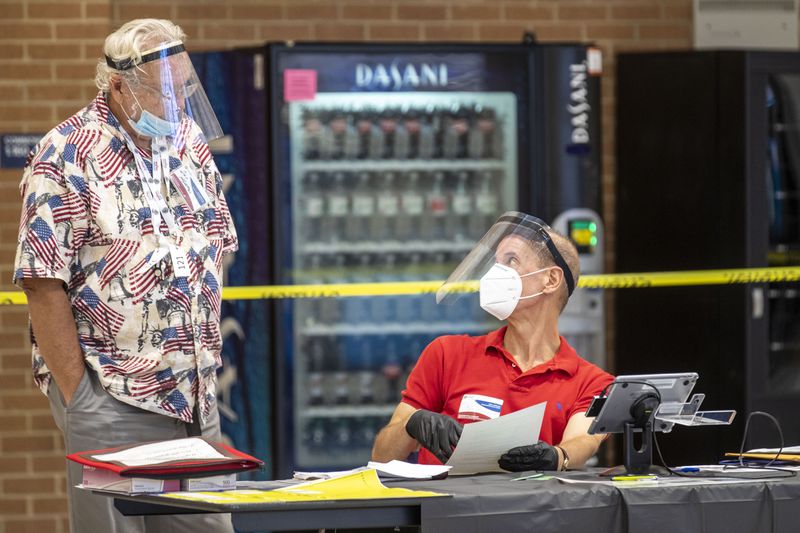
<point>437,433</point>
<point>539,456</point>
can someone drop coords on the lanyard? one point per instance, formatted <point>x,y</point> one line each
<point>159,210</point>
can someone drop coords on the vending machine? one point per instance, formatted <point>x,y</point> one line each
<point>387,162</point>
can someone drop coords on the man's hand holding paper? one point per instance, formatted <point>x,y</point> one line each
<point>438,433</point>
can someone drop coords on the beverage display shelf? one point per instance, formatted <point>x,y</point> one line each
<point>347,411</point>
<point>404,165</point>
<point>398,328</point>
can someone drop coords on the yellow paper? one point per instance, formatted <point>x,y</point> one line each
<point>363,485</point>
<point>782,457</point>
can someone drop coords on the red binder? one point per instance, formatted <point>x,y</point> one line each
<point>232,461</point>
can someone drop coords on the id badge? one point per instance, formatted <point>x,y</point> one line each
<point>194,195</point>
<point>479,407</point>
<point>180,265</point>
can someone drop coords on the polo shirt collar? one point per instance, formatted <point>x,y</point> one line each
<point>565,359</point>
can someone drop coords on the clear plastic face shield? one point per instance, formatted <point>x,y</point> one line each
<point>498,262</point>
<point>166,92</point>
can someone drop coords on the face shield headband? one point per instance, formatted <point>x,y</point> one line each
<point>129,63</point>
<point>539,228</point>
<point>483,255</point>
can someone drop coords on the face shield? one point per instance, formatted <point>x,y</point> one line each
<point>513,242</point>
<point>167,90</point>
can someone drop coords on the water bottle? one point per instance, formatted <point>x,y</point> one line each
<point>425,146</point>
<point>429,310</point>
<point>388,124</point>
<point>311,134</point>
<point>330,309</point>
<point>365,392</point>
<point>458,219</point>
<point>352,140</point>
<point>316,362</point>
<point>456,126</point>
<point>486,206</point>
<point>381,306</point>
<point>342,435</point>
<point>402,138</point>
<point>312,206</point>
<point>407,305</point>
<point>388,206</point>
<point>327,139</point>
<point>362,202</point>
<point>436,209</point>
<point>337,209</point>
<point>316,435</point>
<point>377,139</point>
<point>356,308</point>
<point>391,372</point>
<point>412,207</point>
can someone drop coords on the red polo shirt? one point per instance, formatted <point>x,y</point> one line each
<point>456,365</point>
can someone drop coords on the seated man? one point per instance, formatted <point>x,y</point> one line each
<point>527,273</point>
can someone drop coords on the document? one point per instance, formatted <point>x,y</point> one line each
<point>392,469</point>
<point>163,452</point>
<point>360,485</point>
<point>404,470</point>
<point>482,443</point>
<point>181,458</point>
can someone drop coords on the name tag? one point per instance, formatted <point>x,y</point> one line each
<point>479,407</point>
<point>180,265</point>
<point>185,181</point>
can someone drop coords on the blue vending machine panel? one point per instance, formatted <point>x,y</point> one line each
<point>390,164</point>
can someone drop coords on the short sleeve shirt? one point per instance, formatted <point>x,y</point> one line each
<point>152,337</point>
<point>475,378</point>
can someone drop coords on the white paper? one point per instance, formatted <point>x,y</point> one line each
<point>163,452</point>
<point>326,475</point>
<point>482,443</point>
<point>788,450</point>
<point>401,469</point>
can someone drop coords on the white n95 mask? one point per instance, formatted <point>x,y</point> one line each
<point>501,290</point>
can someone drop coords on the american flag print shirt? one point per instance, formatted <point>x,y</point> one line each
<point>152,338</point>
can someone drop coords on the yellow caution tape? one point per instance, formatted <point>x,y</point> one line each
<point>589,281</point>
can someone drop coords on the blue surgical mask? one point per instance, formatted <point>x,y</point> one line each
<point>150,125</point>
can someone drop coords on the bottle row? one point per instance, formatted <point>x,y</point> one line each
<point>357,369</point>
<point>403,206</point>
<point>340,436</point>
<point>429,132</point>
<point>381,310</point>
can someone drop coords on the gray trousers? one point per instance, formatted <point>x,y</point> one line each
<point>95,420</point>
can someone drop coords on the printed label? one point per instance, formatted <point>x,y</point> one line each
<point>337,206</point>
<point>314,207</point>
<point>479,407</point>
<point>413,204</point>
<point>388,205</point>
<point>363,205</point>
<point>179,263</point>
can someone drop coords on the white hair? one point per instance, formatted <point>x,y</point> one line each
<point>130,41</point>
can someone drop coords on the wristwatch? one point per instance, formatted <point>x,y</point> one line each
<point>565,464</point>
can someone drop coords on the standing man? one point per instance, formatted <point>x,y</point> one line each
<point>123,230</point>
<point>527,273</point>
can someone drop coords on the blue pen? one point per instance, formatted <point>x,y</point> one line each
<point>688,469</point>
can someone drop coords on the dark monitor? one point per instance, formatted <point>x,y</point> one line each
<point>616,409</point>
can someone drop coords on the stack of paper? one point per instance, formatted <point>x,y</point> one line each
<point>392,469</point>
<point>360,485</point>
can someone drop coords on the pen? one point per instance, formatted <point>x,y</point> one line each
<point>633,478</point>
<point>532,476</point>
<point>688,469</point>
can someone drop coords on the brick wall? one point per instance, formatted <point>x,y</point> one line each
<point>48,49</point>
